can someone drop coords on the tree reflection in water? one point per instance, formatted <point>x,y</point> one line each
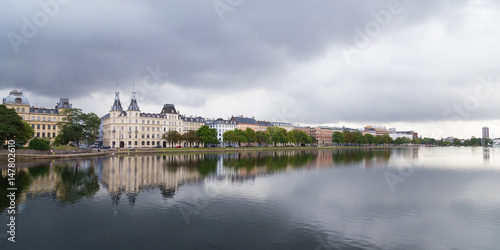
<point>71,181</point>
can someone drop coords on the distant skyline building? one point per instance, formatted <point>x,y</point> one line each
<point>486,133</point>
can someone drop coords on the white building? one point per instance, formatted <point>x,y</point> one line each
<point>133,129</point>
<point>220,125</point>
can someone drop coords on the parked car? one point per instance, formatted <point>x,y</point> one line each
<point>158,146</point>
<point>106,147</point>
<point>196,146</point>
<point>178,146</point>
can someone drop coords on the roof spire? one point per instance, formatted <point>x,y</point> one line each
<point>117,105</point>
<point>133,102</point>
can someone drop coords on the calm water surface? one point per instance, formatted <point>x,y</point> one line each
<point>406,198</point>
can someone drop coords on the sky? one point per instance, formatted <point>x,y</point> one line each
<point>429,66</point>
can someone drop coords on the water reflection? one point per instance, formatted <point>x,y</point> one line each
<point>73,180</point>
<point>486,154</point>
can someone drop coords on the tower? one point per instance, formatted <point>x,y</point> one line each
<point>486,133</point>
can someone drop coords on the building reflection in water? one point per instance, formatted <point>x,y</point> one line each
<point>70,181</point>
<point>486,154</point>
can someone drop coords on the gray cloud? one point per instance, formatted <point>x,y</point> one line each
<point>426,60</point>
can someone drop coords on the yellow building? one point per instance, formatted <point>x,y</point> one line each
<point>192,123</point>
<point>42,120</point>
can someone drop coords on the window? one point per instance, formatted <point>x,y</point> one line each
<point>43,118</point>
<point>130,143</point>
<point>37,134</point>
<point>22,110</point>
<point>23,117</point>
<point>48,118</point>
<point>38,118</point>
<point>53,134</point>
<point>33,126</point>
<point>135,143</point>
<point>48,134</point>
<point>32,118</point>
<point>142,121</point>
<point>142,136</point>
<point>147,136</point>
<point>38,126</point>
<point>153,136</point>
<point>54,126</point>
<point>143,129</point>
<point>148,128</point>
<point>43,134</point>
<point>147,143</point>
<point>142,143</point>
<point>17,110</point>
<point>43,126</point>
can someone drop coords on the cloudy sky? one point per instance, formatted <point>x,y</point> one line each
<point>430,66</point>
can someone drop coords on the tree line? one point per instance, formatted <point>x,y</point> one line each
<point>248,137</point>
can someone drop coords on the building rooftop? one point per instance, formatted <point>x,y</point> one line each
<point>16,97</point>
<point>244,120</point>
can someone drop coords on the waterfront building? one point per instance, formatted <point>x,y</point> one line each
<point>263,125</point>
<point>245,122</point>
<point>323,135</point>
<point>221,126</point>
<point>376,131</point>
<point>132,128</point>
<point>486,133</point>
<point>42,120</point>
<point>285,125</point>
<point>310,131</point>
<point>192,123</point>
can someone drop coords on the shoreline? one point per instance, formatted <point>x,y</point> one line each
<point>109,152</point>
<point>20,155</point>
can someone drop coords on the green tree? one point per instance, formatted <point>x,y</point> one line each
<point>250,135</point>
<point>230,137</point>
<point>207,135</point>
<point>172,136</point>
<point>399,141</point>
<point>77,126</point>
<point>39,144</point>
<point>241,137</point>
<point>263,137</point>
<point>338,137</point>
<point>359,138</point>
<point>278,135</point>
<point>191,137</point>
<point>12,126</point>
<point>370,139</point>
<point>298,137</point>
<point>415,141</point>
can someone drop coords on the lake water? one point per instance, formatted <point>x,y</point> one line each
<point>399,198</point>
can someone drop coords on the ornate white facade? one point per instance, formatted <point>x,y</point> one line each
<point>133,129</point>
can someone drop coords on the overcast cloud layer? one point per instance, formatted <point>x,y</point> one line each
<point>423,65</point>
